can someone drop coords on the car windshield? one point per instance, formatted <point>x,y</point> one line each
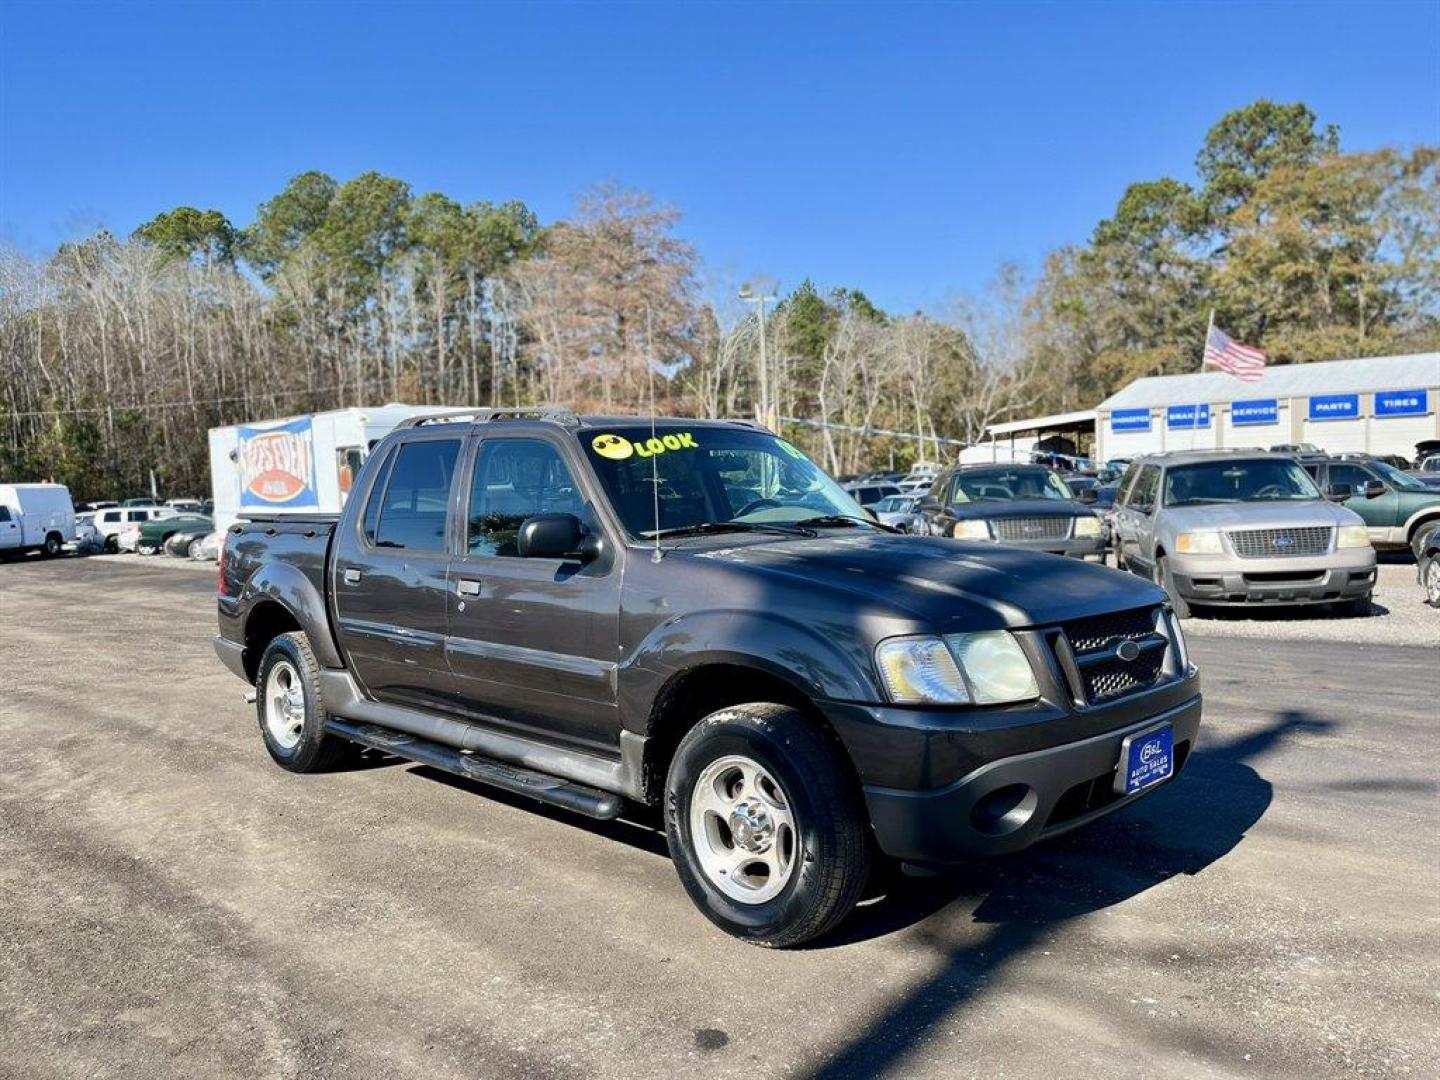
<point>1008,484</point>
<point>1397,479</point>
<point>1256,480</point>
<point>712,479</point>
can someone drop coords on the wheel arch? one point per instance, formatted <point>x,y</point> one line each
<point>1421,519</point>
<point>286,588</point>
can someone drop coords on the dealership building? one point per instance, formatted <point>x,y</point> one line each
<point>1376,405</point>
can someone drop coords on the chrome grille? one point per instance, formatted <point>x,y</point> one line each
<point>1280,543</point>
<point>1094,662</point>
<point>1021,529</point>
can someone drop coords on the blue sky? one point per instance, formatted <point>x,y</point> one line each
<point>906,150</point>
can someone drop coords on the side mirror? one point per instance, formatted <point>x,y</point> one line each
<point>1339,492</point>
<point>555,536</point>
<point>1089,496</point>
<point>1373,489</point>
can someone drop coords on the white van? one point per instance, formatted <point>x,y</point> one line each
<point>111,522</point>
<point>35,517</point>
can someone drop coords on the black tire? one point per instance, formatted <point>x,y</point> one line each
<point>112,544</point>
<point>315,751</point>
<point>1430,579</point>
<point>1166,581</point>
<point>1359,608</point>
<point>192,549</point>
<point>53,545</point>
<point>831,855</point>
<point>177,545</point>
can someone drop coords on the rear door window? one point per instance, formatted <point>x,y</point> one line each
<point>1142,498</point>
<point>413,512</point>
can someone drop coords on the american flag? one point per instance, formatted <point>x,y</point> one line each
<point>1242,361</point>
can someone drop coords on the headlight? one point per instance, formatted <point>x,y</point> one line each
<point>995,666</point>
<point>920,669</point>
<point>976,529</point>
<point>1353,536</point>
<point>987,668</point>
<point>1089,525</point>
<point>1198,543</point>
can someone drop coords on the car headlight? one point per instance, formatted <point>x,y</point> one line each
<point>1353,536</point>
<point>995,667</point>
<point>1198,543</point>
<point>975,529</point>
<point>1089,525</point>
<point>920,670</point>
<point>988,668</point>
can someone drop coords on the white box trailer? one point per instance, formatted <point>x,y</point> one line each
<point>35,517</point>
<point>300,463</point>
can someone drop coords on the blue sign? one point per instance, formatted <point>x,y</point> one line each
<point>1130,420</point>
<point>1334,406</point>
<point>277,466</point>
<point>1402,403</point>
<point>1187,416</point>
<point>1258,411</point>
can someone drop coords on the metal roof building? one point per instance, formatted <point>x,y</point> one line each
<point>1378,405</point>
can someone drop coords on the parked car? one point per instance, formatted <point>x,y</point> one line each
<point>1394,504</point>
<point>1426,548</point>
<point>35,517</point>
<point>87,539</point>
<point>790,684</point>
<point>141,500</point>
<point>1427,471</point>
<point>1226,529</point>
<point>206,548</point>
<point>111,522</point>
<point>903,512</point>
<point>1025,506</point>
<point>867,494</point>
<point>155,533</point>
<point>185,506</point>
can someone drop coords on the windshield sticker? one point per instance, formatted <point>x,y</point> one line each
<point>614,447</point>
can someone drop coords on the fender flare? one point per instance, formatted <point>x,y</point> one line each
<point>287,586</point>
<point>1418,520</point>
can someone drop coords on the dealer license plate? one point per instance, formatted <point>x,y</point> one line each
<point>1146,759</point>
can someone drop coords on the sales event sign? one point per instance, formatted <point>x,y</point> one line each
<point>277,467</point>
<point>1334,406</point>
<point>1187,416</point>
<point>1402,402</point>
<point>1130,420</point>
<point>1258,411</point>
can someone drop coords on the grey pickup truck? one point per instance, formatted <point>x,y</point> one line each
<point>597,612</point>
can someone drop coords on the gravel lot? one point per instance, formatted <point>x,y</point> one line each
<point>176,906</point>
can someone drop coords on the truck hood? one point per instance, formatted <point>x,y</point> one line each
<point>1261,515</point>
<point>1009,508</point>
<point>950,584</point>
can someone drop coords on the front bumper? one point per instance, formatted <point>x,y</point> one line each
<point>1011,803</point>
<point>1342,575</point>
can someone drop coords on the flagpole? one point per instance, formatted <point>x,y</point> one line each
<point>1208,327</point>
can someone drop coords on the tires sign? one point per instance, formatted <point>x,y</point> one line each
<point>277,467</point>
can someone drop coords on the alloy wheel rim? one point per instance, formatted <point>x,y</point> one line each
<point>1432,581</point>
<point>743,830</point>
<point>284,705</point>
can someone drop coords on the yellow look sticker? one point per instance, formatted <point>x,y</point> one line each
<point>618,448</point>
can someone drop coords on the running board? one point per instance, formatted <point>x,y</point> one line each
<point>533,785</point>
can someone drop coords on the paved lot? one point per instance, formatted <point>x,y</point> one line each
<point>175,906</point>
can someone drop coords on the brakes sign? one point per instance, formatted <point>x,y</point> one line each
<point>276,466</point>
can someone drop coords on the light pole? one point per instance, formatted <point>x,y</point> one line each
<point>759,299</point>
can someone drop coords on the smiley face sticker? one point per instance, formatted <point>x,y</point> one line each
<point>614,447</point>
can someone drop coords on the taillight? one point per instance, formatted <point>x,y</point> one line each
<point>220,582</point>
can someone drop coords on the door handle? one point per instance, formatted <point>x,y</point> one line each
<point>467,587</point>
<point>352,576</point>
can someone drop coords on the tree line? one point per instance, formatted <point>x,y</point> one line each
<point>117,354</point>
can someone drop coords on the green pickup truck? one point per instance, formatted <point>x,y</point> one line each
<point>1393,504</point>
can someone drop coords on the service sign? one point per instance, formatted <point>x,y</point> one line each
<point>1256,411</point>
<point>1334,406</point>
<point>1130,420</point>
<point>277,467</point>
<point>1402,402</point>
<point>1187,416</point>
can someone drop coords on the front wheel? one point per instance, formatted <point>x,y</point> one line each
<point>1432,581</point>
<point>766,825</point>
<point>290,711</point>
<point>1166,580</point>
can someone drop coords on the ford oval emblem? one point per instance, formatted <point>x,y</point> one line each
<point>1283,542</point>
<point>1127,650</point>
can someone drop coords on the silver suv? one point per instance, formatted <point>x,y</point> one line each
<point>1234,528</point>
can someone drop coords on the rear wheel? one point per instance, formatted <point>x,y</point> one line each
<point>1166,580</point>
<point>289,708</point>
<point>112,545</point>
<point>766,825</point>
<point>1431,571</point>
<point>52,545</point>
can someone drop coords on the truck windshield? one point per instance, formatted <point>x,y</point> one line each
<point>1258,480</point>
<point>1007,484</point>
<point>708,478</point>
<point>1396,478</point>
